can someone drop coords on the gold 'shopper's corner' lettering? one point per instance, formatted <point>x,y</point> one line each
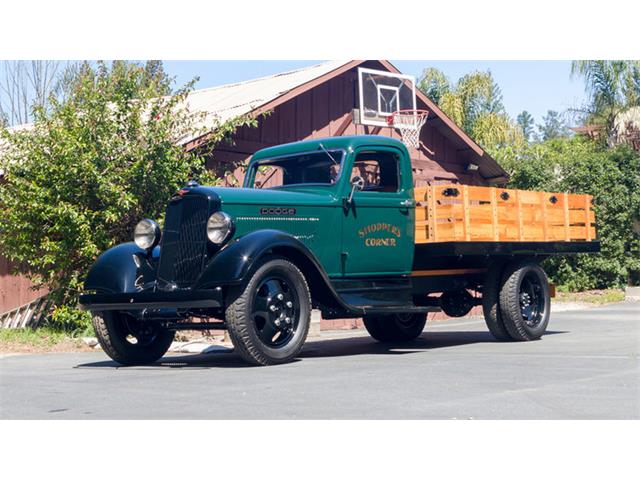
<point>388,241</point>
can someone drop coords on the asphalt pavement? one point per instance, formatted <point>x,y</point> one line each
<point>586,367</point>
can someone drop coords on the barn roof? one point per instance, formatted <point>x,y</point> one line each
<point>225,102</point>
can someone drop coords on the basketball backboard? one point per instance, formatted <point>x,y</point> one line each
<point>381,93</point>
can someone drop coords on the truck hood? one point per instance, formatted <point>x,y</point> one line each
<point>301,196</point>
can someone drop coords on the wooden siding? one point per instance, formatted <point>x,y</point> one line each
<point>15,290</point>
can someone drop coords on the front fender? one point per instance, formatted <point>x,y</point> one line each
<point>234,261</point>
<point>121,269</point>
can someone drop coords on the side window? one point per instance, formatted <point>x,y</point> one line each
<point>379,171</point>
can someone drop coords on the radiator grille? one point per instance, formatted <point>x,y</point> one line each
<point>184,241</point>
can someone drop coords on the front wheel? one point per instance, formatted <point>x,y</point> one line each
<point>130,341</point>
<point>400,327</point>
<point>268,317</point>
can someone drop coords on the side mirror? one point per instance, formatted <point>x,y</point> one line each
<point>357,183</point>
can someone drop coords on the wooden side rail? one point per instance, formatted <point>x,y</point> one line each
<point>448,213</point>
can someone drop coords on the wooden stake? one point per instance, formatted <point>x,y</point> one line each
<point>465,204</point>
<point>431,213</point>
<point>567,230</point>
<point>545,222</point>
<point>519,210</point>
<point>587,215</point>
<point>494,211</point>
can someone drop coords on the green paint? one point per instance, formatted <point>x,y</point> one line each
<point>372,236</point>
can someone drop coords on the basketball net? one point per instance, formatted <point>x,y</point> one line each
<point>409,123</point>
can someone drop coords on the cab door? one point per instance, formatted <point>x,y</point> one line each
<point>378,233</point>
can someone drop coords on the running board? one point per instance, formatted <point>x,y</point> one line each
<point>399,309</point>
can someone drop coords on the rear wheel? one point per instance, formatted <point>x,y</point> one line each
<point>400,327</point>
<point>130,341</point>
<point>268,317</point>
<point>491,303</point>
<point>524,300</point>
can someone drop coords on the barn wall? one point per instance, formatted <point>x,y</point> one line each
<point>15,290</point>
<point>326,111</point>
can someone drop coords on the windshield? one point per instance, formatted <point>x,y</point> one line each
<point>317,168</point>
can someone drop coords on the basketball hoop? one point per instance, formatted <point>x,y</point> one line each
<point>409,123</point>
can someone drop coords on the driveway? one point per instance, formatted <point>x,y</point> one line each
<point>586,367</point>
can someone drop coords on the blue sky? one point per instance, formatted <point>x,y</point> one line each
<point>535,86</point>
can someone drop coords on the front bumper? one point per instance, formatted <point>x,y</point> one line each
<point>182,299</point>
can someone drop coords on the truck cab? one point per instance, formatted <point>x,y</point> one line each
<point>328,224</point>
<point>370,213</point>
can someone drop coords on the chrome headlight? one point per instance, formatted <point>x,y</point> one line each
<point>146,234</point>
<point>219,227</point>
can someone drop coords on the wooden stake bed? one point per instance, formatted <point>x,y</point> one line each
<point>454,213</point>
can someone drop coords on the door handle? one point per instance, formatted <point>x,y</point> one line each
<point>406,203</point>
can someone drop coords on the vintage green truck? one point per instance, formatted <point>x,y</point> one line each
<point>336,225</point>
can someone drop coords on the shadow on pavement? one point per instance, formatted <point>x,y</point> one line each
<point>367,346</point>
<point>341,347</point>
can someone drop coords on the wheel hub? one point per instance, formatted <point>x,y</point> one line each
<point>275,311</point>
<point>531,299</point>
<point>143,332</point>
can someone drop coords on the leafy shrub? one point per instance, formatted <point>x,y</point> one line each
<point>71,320</point>
<point>93,165</point>
<point>612,176</point>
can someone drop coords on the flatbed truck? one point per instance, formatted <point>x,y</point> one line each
<point>334,224</point>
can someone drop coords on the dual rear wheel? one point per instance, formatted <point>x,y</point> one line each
<point>516,301</point>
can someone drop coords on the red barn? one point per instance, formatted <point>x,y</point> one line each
<point>313,102</point>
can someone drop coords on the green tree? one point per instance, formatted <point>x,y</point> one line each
<point>156,77</point>
<point>480,95</point>
<point>613,87</point>
<point>91,168</point>
<point>553,126</point>
<point>434,84</point>
<point>526,123</point>
<point>474,103</point>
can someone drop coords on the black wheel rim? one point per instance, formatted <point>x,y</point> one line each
<point>139,333</point>
<point>405,320</point>
<point>275,311</point>
<point>532,299</point>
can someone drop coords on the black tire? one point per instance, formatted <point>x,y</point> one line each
<point>491,303</point>
<point>252,325</point>
<point>116,332</point>
<point>395,328</point>
<point>524,300</point>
